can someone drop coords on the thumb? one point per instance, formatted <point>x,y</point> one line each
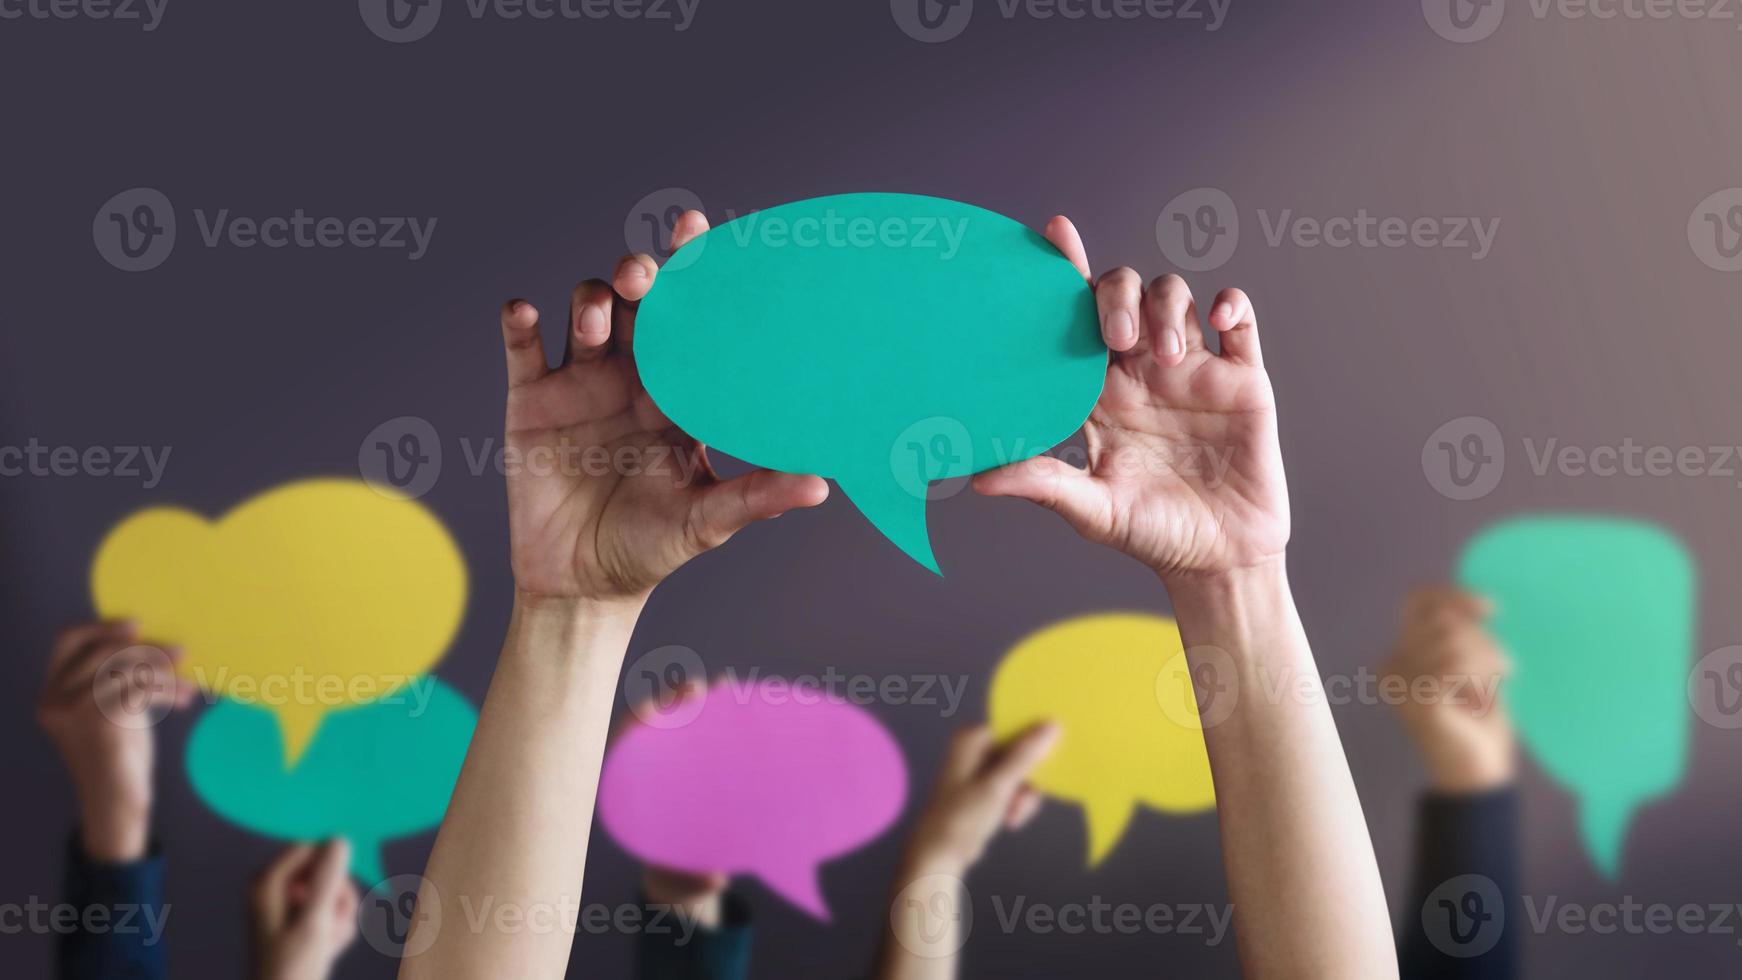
<point>721,510</point>
<point>1052,483</point>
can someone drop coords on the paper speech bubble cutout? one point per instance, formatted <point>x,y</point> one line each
<point>882,340</point>
<point>312,596</point>
<point>372,773</point>
<point>763,781</point>
<point>1598,615</point>
<point>1118,686</point>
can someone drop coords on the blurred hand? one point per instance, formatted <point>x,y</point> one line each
<point>696,896</point>
<point>104,692</point>
<point>578,535</point>
<point>1185,471</point>
<point>304,910</point>
<point>981,786</point>
<point>1461,728</point>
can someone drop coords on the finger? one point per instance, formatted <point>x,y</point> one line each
<point>690,226</point>
<point>345,915</point>
<point>526,361</point>
<point>589,320</point>
<point>331,873</point>
<point>76,649</point>
<point>633,276</point>
<point>1232,317</point>
<point>1022,809</point>
<point>721,510</point>
<point>1010,770</point>
<point>1444,603</point>
<point>1058,486</point>
<point>69,641</point>
<point>1117,295</point>
<point>110,670</point>
<point>1170,320</point>
<point>272,886</point>
<point>1063,236</point>
<point>967,754</point>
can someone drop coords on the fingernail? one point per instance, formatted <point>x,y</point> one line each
<point>1170,344</point>
<point>592,323</point>
<point>1120,328</point>
<point>634,270</point>
<point>1224,312</point>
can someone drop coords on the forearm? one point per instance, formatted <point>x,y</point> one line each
<point>1301,873</point>
<point>515,836</point>
<point>923,932</point>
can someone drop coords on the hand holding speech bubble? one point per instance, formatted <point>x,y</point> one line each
<point>1118,686</point>
<point>311,596</point>
<point>883,340</point>
<point>760,780</point>
<point>1597,614</point>
<point>372,773</point>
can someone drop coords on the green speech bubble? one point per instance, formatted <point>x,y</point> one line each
<point>883,340</point>
<point>1597,614</point>
<point>373,772</point>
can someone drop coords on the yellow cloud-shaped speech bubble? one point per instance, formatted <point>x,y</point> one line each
<point>1119,687</point>
<point>312,596</point>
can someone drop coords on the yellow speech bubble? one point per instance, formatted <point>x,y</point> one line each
<point>312,596</point>
<point>1119,687</point>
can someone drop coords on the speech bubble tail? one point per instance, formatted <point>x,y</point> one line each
<point>1107,822</point>
<point>898,514</point>
<point>800,885</point>
<point>366,864</point>
<point>296,727</point>
<point>1603,826</point>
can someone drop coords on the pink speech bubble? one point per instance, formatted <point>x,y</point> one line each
<point>764,780</point>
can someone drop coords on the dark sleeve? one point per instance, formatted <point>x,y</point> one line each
<point>671,949</point>
<point>1463,920</point>
<point>111,918</point>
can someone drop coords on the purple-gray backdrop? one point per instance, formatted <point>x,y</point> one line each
<point>1592,316</point>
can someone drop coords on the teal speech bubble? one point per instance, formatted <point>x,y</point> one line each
<point>373,772</point>
<point>1597,614</point>
<point>885,341</point>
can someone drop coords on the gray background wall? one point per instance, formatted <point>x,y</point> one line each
<point>1592,320</point>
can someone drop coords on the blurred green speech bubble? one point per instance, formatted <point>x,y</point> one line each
<point>883,340</point>
<point>373,772</point>
<point>1598,615</point>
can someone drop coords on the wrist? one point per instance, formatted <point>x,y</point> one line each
<point>115,832</point>
<point>922,861</point>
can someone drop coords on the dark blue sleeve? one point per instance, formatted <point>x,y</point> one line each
<point>671,949</point>
<point>117,932</point>
<point>1463,920</point>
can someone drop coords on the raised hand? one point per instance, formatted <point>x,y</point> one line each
<point>1453,668</point>
<point>104,692</point>
<point>605,496</point>
<point>304,912</point>
<point>1184,469</point>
